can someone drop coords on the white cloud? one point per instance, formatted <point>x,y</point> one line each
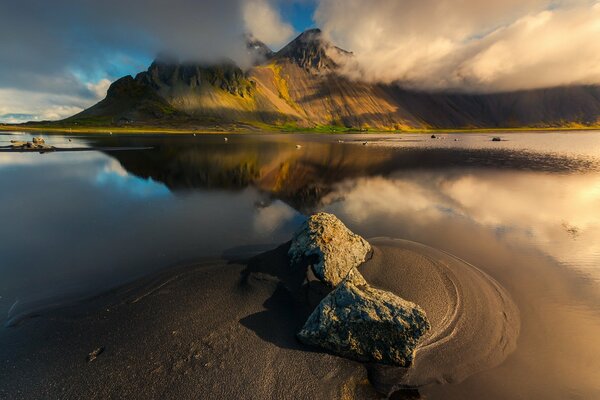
<point>468,45</point>
<point>265,23</point>
<point>99,88</point>
<point>18,105</point>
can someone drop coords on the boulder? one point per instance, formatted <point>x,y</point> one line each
<point>38,140</point>
<point>332,249</point>
<point>366,324</point>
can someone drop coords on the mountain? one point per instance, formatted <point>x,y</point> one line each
<point>300,87</point>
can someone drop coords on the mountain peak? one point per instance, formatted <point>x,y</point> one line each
<point>311,51</point>
<point>311,34</point>
<point>259,51</point>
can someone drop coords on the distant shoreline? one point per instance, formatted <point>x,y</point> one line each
<point>273,129</point>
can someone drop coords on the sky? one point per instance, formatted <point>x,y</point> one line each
<point>59,57</point>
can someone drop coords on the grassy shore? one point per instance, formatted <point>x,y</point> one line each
<point>269,128</point>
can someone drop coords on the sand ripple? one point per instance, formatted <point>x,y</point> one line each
<point>475,324</point>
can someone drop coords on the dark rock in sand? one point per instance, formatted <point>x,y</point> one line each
<point>332,249</point>
<point>366,324</point>
<point>496,139</point>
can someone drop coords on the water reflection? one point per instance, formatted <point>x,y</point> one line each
<point>526,211</point>
<point>116,178</point>
<point>302,177</point>
<point>549,200</point>
<point>558,214</point>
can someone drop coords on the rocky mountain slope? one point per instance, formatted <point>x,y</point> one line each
<point>300,87</point>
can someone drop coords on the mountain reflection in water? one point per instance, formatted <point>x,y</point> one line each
<point>526,211</point>
<point>301,177</point>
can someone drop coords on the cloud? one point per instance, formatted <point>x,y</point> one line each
<point>264,22</point>
<point>99,88</point>
<point>18,106</point>
<point>467,45</point>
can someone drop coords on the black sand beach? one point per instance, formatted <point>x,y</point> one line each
<point>227,330</point>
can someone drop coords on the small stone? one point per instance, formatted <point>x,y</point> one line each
<point>94,354</point>
<point>366,324</point>
<point>332,249</point>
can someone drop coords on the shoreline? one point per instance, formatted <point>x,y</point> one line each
<point>206,131</point>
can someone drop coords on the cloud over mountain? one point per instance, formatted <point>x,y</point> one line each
<point>264,22</point>
<point>468,45</point>
<point>65,48</point>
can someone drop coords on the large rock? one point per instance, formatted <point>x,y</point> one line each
<point>366,324</point>
<point>332,249</point>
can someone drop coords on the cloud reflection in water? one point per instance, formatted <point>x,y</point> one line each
<point>558,214</point>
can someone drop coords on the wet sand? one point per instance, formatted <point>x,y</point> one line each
<point>475,323</point>
<point>227,330</point>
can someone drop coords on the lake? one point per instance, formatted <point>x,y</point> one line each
<point>525,210</point>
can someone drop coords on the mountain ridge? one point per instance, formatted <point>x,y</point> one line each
<point>300,86</point>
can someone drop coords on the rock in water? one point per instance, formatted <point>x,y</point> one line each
<point>366,324</point>
<point>334,248</point>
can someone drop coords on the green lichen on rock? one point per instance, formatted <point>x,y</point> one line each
<point>332,247</point>
<point>366,324</point>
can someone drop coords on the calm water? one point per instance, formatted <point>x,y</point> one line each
<point>525,210</point>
